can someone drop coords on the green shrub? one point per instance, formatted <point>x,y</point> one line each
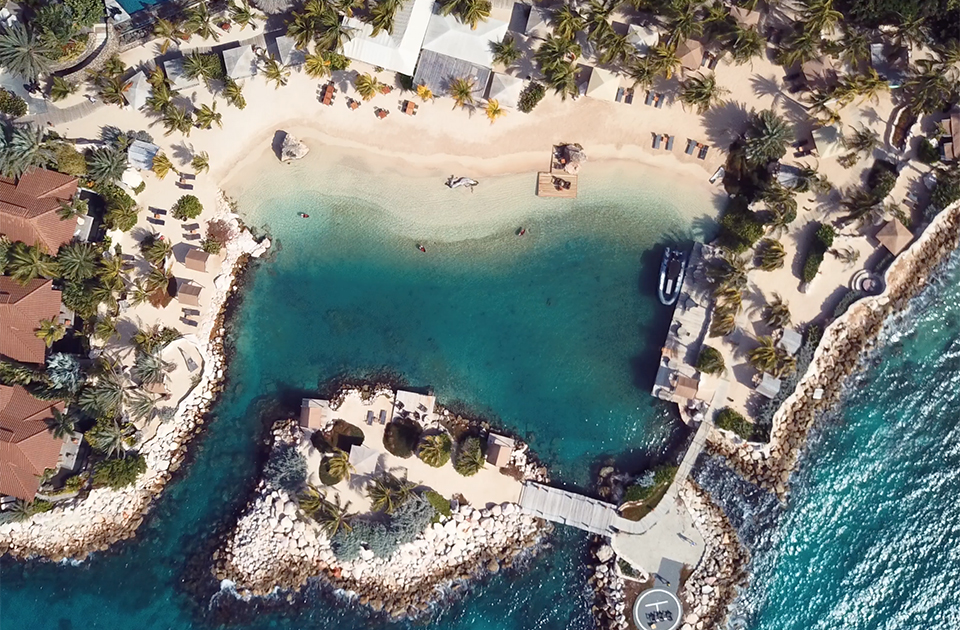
<point>400,437</point>
<point>286,469</point>
<point>326,477</point>
<point>68,160</point>
<point>470,459</point>
<point>342,435</point>
<point>11,104</point>
<point>75,482</point>
<point>531,95</point>
<point>410,519</point>
<point>733,420</point>
<point>187,207</point>
<point>118,473</point>
<point>211,246</point>
<point>710,361</point>
<point>927,152</point>
<point>881,179</point>
<point>121,208</point>
<point>947,189</point>
<point>440,505</point>
<point>740,227</point>
<point>823,242</point>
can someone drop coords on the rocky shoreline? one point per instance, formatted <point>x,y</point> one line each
<point>84,525</point>
<point>845,343</point>
<point>275,546</point>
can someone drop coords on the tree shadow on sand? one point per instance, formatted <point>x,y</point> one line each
<point>725,123</point>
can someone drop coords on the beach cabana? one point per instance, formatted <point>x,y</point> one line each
<point>895,236</point>
<point>538,23</point>
<point>505,89</point>
<point>196,259</point>
<point>178,78</point>
<point>288,53</point>
<point>745,17</point>
<point>686,387</point>
<point>499,449</point>
<point>790,341</point>
<point>189,293</point>
<point>642,38</point>
<point>411,403</point>
<point>603,84</point>
<point>950,143</point>
<point>139,91</point>
<point>140,155</point>
<point>364,459</point>
<point>240,63</point>
<point>314,413</point>
<point>690,53</point>
<point>397,51</point>
<point>828,140</point>
<point>769,386</point>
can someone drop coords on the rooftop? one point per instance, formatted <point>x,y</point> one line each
<point>22,308</point>
<point>398,51</point>
<point>446,35</point>
<point>29,205</point>
<point>27,447</point>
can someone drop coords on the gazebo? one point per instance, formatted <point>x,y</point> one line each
<point>686,387</point>
<point>290,55</point>
<point>642,37</point>
<point>240,63</point>
<point>499,449</point>
<point>538,23</point>
<point>505,89</point>
<point>769,386</point>
<point>196,259</point>
<point>188,293</point>
<point>828,140</point>
<point>603,84</point>
<point>895,236</point>
<point>139,91</point>
<point>790,341</point>
<point>178,78</point>
<point>690,53</point>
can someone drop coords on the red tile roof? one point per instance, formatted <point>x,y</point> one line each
<point>22,308</point>
<point>27,447</point>
<point>28,208</point>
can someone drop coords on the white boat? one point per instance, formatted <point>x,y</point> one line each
<point>459,182</point>
<point>672,268</point>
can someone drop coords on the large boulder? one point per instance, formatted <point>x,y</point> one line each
<point>292,149</point>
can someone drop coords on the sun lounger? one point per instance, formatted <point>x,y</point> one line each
<point>154,221</point>
<point>184,186</point>
<point>191,237</point>
<point>649,100</point>
<point>159,211</point>
<point>190,227</point>
<point>628,98</point>
<point>691,146</point>
<point>188,176</point>
<point>660,100</point>
<point>703,152</point>
<point>656,141</point>
<point>189,322</point>
<point>369,418</point>
<point>619,97</point>
<point>383,416</point>
<point>670,143</point>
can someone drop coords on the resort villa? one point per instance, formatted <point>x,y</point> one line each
<point>29,208</point>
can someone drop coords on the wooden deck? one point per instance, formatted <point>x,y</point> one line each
<point>546,187</point>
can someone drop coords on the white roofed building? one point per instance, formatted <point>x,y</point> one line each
<point>178,78</point>
<point>505,89</point>
<point>397,52</point>
<point>240,63</point>
<point>538,23</point>
<point>139,91</point>
<point>290,55</point>
<point>642,38</point>
<point>448,36</point>
<point>603,84</point>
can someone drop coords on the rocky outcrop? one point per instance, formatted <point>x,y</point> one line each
<point>610,608</point>
<point>276,545</point>
<point>838,356</point>
<point>292,149</point>
<point>78,527</point>
<point>711,587</point>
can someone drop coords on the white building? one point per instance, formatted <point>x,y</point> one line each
<point>397,52</point>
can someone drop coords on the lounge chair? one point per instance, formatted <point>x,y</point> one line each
<point>383,416</point>
<point>691,146</point>
<point>660,99</point>
<point>154,221</point>
<point>670,143</point>
<point>649,100</point>
<point>703,152</point>
<point>628,98</point>
<point>369,418</point>
<point>184,186</point>
<point>656,141</point>
<point>188,176</point>
<point>619,95</point>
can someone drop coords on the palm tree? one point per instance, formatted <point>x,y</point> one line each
<point>729,297</point>
<point>435,450</point>
<point>598,24</point>
<point>563,80</point>
<point>683,21</point>
<point>28,262</point>
<point>170,32</point>
<point>155,250</point>
<point>177,119</point>
<point>819,15</point>
<point>108,438</point>
<point>787,364</point>
<point>461,90</point>
<point>799,47</point>
<point>207,116</point>
<point>61,425</point>
<point>50,331</point>
<point>555,52</point>
<point>615,47</point>
<point>317,65</point>
<point>494,111</point>
<point>333,516</point>
<point>150,369</point>
<point>425,93</point>
<point>505,52</point>
<point>367,86</point>
<point>275,72</point>
<point>334,33</point>
<point>243,15</point>
<point>310,500</point>
<point>382,15</point>
<point>26,148</point>
<point>233,92</point>
<point>383,494</point>
<point>106,165</point>
<point>767,138</point>
<point>346,7</point>
<point>728,271</point>
<point>642,72</point>
<point>113,90</point>
<point>142,405</point>
<point>868,84</point>
<point>199,65</point>
<point>777,314</point>
<point>928,86</point>
<point>771,254</point>
<point>77,261</point>
<point>161,98</point>
<point>745,44</point>
<point>111,270</point>
<point>76,207</point>
<point>156,278</point>
<point>862,207</point>
<point>22,53</point>
<point>338,465</point>
<point>199,22</point>
<point>105,329</point>
<point>855,45</point>
<point>473,12</point>
<point>764,357</point>
<point>470,459</point>
<point>567,22</point>
<point>663,60</point>
<point>60,88</point>
<point>162,165</point>
<point>863,141</point>
<point>201,162</point>
<point>701,92</point>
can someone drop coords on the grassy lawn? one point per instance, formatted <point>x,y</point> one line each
<point>640,506</point>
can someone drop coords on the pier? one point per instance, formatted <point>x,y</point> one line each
<point>561,180</point>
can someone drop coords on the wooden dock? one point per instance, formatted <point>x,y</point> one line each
<point>548,185</point>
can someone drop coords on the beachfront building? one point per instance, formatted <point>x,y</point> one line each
<point>140,155</point>
<point>538,23</point>
<point>453,50</point>
<point>895,236</point>
<point>288,53</point>
<point>29,205</point>
<point>240,63</point>
<point>505,89</point>
<point>603,84</point>
<point>139,91</point>
<point>27,447</point>
<point>196,259</point>
<point>179,79</point>
<point>499,449</point>
<point>22,308</point>
<point>642,38</point>
<point>397,51</point>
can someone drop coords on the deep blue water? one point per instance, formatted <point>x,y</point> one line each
<point>130,6</point>
<point>543,335</point>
